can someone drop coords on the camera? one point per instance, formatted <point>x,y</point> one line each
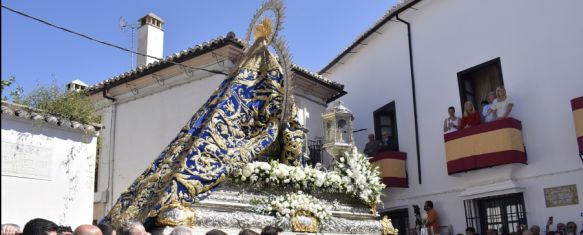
<point>416,210</point>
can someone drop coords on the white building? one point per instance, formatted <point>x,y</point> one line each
<point>48,167</point>
<point>144,109</point>
<point>424,56</point>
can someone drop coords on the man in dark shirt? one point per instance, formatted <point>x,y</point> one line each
<point>372,147</point>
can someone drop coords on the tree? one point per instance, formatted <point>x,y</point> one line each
<point>55,100</point>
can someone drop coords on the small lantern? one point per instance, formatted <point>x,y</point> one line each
<point>337,129</point>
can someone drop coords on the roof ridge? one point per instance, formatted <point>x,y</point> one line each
<point>34,114</point>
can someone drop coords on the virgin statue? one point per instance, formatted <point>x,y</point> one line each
<point>249,113</point>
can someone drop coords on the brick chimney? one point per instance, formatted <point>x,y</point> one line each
<point>150,38</point>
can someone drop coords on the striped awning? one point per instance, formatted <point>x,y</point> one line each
<point>392,167</point>
<point>577,106</point>
<point>490,144</point>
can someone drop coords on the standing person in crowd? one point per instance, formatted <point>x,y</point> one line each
<point>271,230</point>
<point>451,123</point>
<point>432,223</point>
<point>471,117</point>
<point>561,228</point>
<point>40,227</point>
<point>87,229</point>
<point>502,105</point>
<point>535,229</point>
<point>106,229</point>
<point>487,114</point>
<point>571,228</point>
<point>372,147</point>
<point>493,232</point>
<point>10,229</point>
<point>470,231</point>
<point>132,228</point>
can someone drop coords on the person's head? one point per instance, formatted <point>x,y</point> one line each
<point>428,205</point>
<point>490,96</point>
<point>106,229</point>
<point>492,232</point>
<point>40,227</point>
<point>181,230</point>
<point>571,227</point>
<point>64,230</point>
<point>500,92</point>
<point>87,229</point>
<point>215,232</point>
<point>470,231</point>
<point>132,228</point>
<point>371,137</point>
<point>527,232</point>
<point>13,228</point>
<point>468,108</point>
<point>561,227</point>
<point>248,232</point>
<point>451,111</point>
<point>271,230</point>
<point>535,229</point>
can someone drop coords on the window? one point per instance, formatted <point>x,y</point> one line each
<point>475,83</point>
<point>503,213</point>
<point>385,122</point>
<point>316,154</point>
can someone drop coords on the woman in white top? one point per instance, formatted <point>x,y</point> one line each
<point>451,123</point>
<point>502,105</point>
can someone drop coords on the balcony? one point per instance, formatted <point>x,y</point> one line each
<point>577,106</point>
<point>485,145</point>
<point>392,167</point>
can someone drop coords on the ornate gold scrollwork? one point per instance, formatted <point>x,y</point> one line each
<point>304,221</point>
<point>176,215</point>
<point>387,226</point>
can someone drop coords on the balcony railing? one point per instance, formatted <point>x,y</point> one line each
<point>485,145</point>
<point>577,106</point>
<point>392,168</point>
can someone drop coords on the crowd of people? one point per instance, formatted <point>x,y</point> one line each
<point>561,229</point>
<point>46,227</point>
<point>496,106</point>
<point>428,224</point>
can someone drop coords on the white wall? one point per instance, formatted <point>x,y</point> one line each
<point>54,175</point>
<point>538,43</point>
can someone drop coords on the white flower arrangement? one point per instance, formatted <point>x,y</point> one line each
<point>285,207</point>
<point>353,175</point>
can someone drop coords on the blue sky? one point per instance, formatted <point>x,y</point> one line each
<point>34,53</point>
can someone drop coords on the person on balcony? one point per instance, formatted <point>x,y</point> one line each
<point>487,114</point>
<point>389,143</point>
<point>451,123</point>
<point>372,147</point>
<point>502,105</point>
<point>471,117</point>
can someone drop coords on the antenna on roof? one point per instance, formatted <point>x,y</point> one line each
<point>125,27</point>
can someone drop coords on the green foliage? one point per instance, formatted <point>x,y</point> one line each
<point>55,100</point>
<point>7,83</point>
